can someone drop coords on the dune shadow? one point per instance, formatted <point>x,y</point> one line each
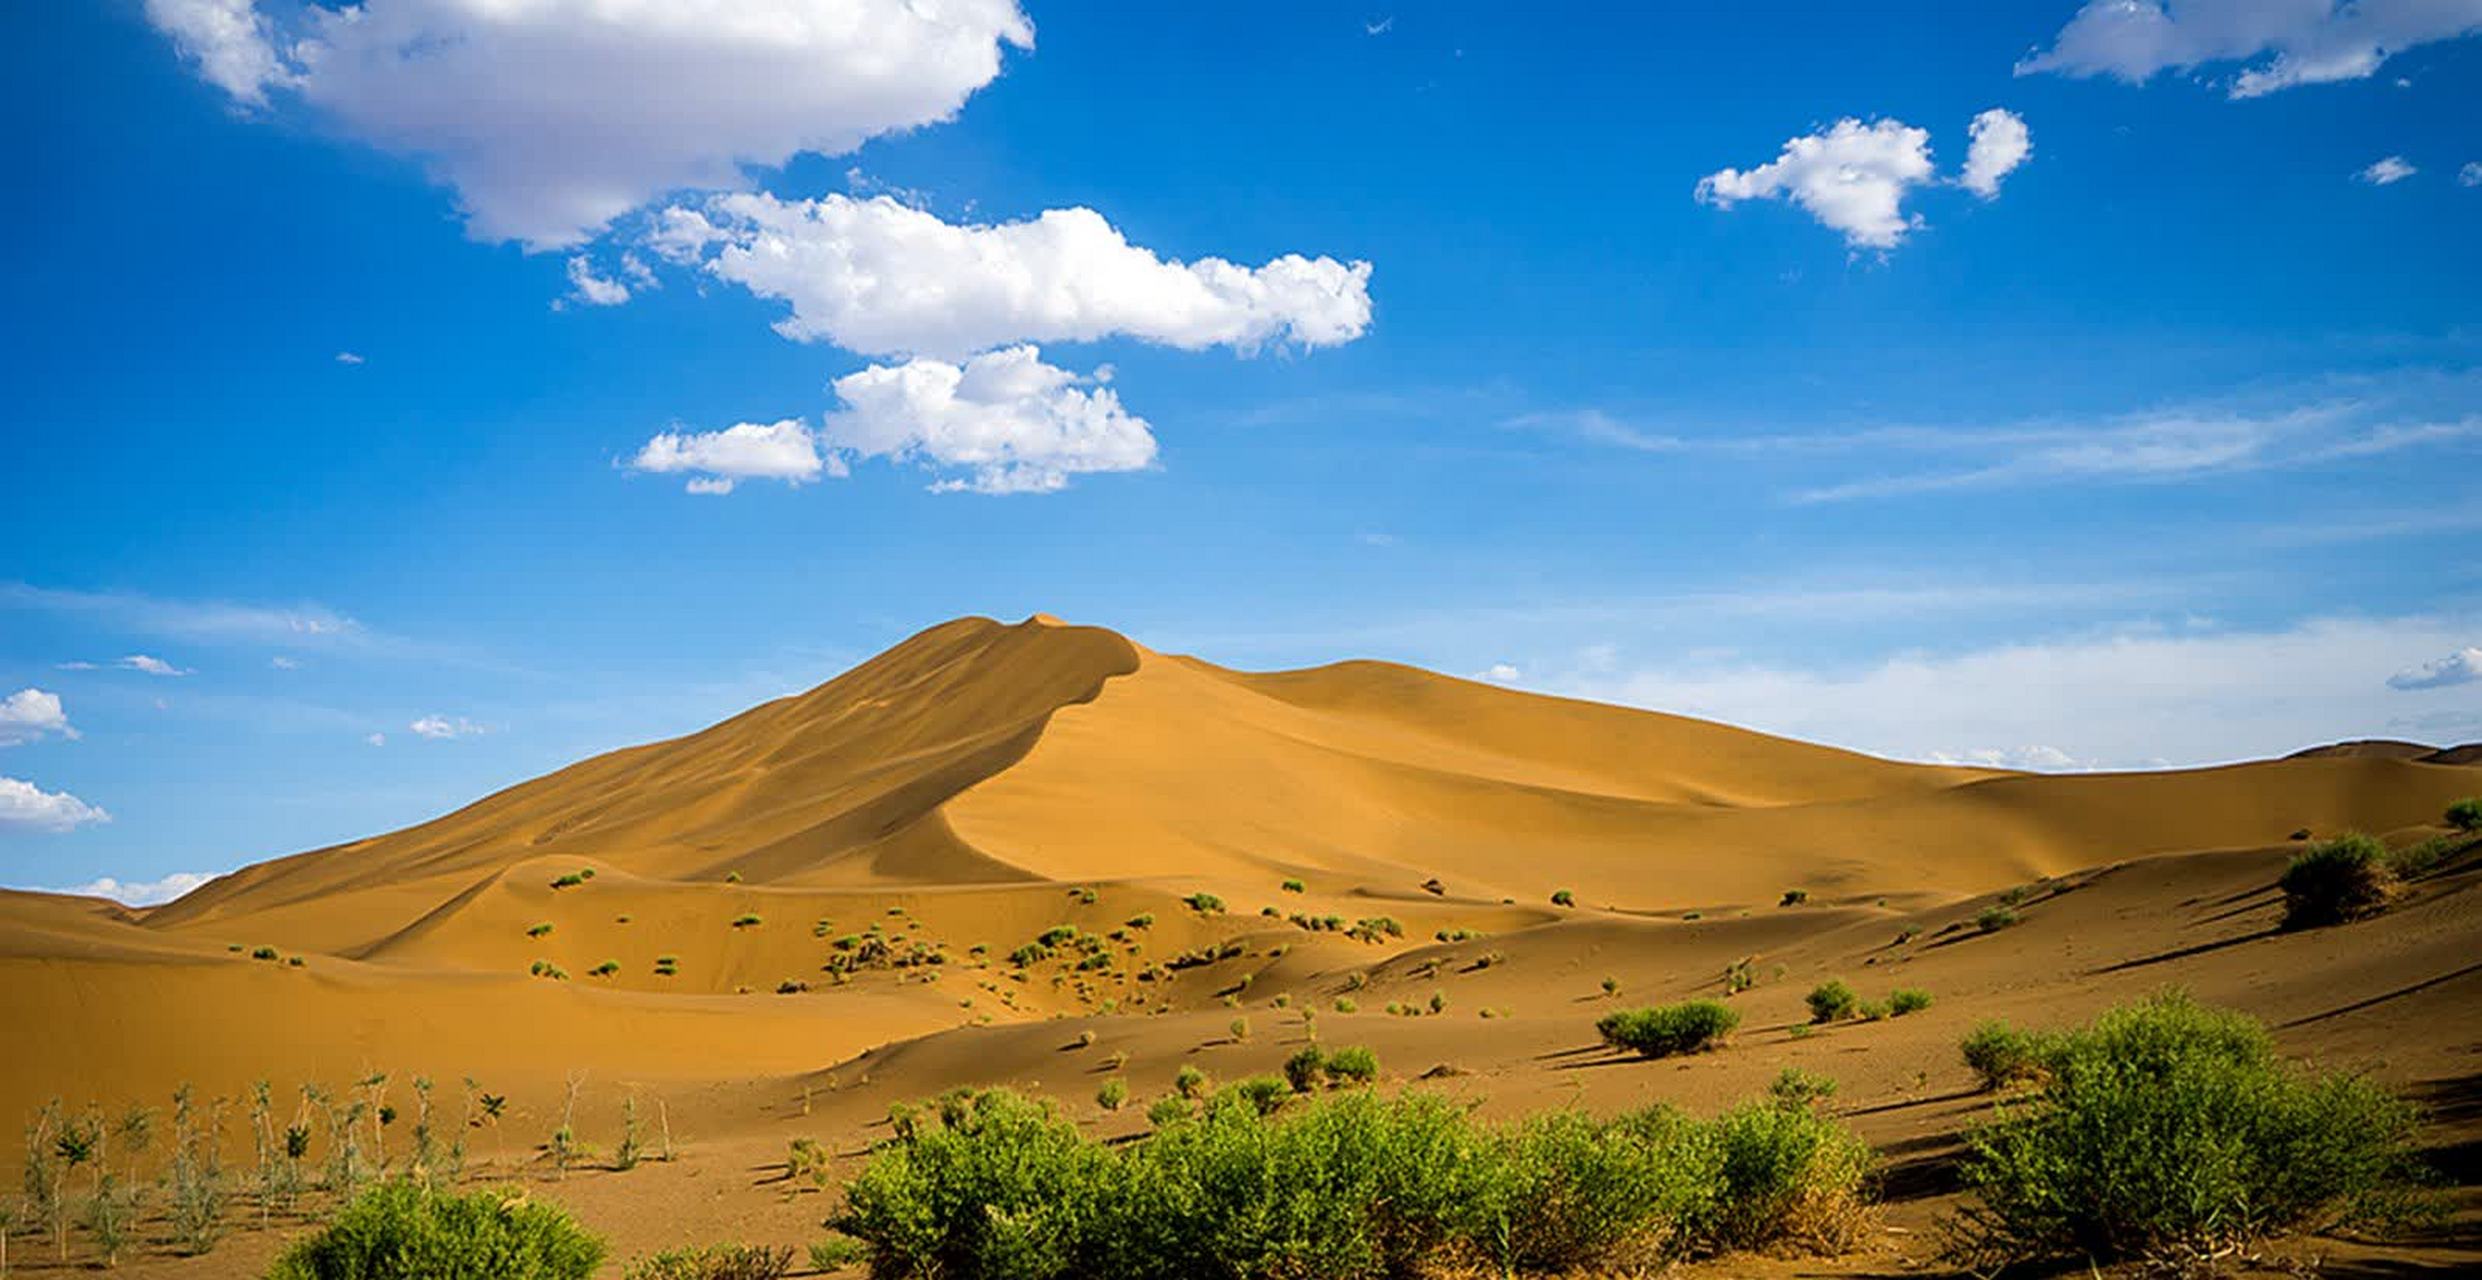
<point>2383,997</point>
<point>2183,953</point>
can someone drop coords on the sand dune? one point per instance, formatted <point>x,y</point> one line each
<point>978,784</point>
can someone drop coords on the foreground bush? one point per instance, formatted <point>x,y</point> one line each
<point>2166,1129</point>
<point>1832,1000</point>
<point>400,1230</point>
<point>1349,1186</point>
<point>2466,814</point>
<point>2335,881</point>
<point>714,1262</point>
<point>1689,1027</point>
<point>2001,1056</point>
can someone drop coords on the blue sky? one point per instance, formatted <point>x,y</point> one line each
<point>1659,386</point>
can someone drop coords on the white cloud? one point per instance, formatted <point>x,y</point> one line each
<point>1501,673</point>
<point>2461,667</point>
<point>594,290</point>
<point>28,714</point>
<point>877,277</point>
<point>784,450</point>
<point>376,739</point>
<point>2122,698</point>
<point>2287,42</point>
<point>25,806</point>
<point>541,114</point>
<point>2470,175</point>
<point>1853,178</point>
<point>283,663</point>
<point>2386,170</point>
<point>348,358</point>
<point>189,619</point>
<point>229,40</point>
<point>443,727</point>
<point>2036,757</point>
<point>1012,423</point>
<point>141,893</point>
<point>2000,142</point>
<point>153,666</point>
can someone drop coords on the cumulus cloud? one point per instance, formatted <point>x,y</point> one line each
<point>141,893</point>
<point>1010,422</point>
<point>1501,673</point>
<point>878,277</point>
<point>2000,142</point>
<point>29,714</point>
<point>2470,175</point>
<point>594,290</point>
<point>539,114</point>
<point>716,460</point>
<point>444,727</point>
<point>2286,42</point>
<point>27,807</point>
<point>2461,667</point>
<point>1853,178</point>
<point>2386,170</point>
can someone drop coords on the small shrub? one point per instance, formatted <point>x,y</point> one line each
<point>838,1252</point>
<point>1205,904</point>
<point>1240,1028</point>
<point>1739,976</point>
<point>1295,886</point>
<point>1353,1064</point>
<point>1306,1069</point>
<point>1190,1082</point>
<point>1263,1094</point>
<point>1790,1176</point>
<point>1795,1087</point>
<point>1905,936</point>
<point>713,1262</point>
<point>1689,1027</point>
<point>2465,815</point>
<point>1347,1004</point>
<point>1906,1000</point>
<point>1994,919</point>
<point>2335,881</point>
<point>569,881</point>
<point>2166,1129</point>
<point>399,1230</point>
<point>1142,920</point>
<point>604,970</point>
<point>1831,1001</point>
<point>1794,897</point>
<point>747,920</point>
<point>539,929</point>
<point>1563,898</point>
<point>262,953</point>
<point>2001,1055</point>
<point>1114,1092</point>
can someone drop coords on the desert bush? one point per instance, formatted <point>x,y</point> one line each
<point>1190,1082</point>
<point>1831,1001</point>
<point>2000,1055</point>
<point>1347,1004</point>
<point>1789,1176</point>
<point>1012,1190</point>
<point>1561,1192</point>
<point>538,929</point>
<point>2465,814</point>
<point>1295,886</point>
<point>1205,904</point>
<point>713,1262</point>
<point>1663,1030</point>
<point>262,953</point>
<point>1794,897</point>
<point>1611,986</point>
<point>1262,1094</point>
<point>747,919</point>
<point>1563,898</point>
<point>1795,1087</point>
<point>399,1230</point>
<point>1739,976</point>
<point>2168,1129</point>
<point>1906,1000</point>
<point>1994,919</point>
<point>1306,1069</point>
<point>2336,880</point>
<point>1353,1064</point>
<point>1114,1092</point>
<point>838,1252</point>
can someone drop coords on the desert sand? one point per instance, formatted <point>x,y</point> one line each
<point>983,782</point>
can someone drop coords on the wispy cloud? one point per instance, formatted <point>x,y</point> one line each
<point>441,728</point>
<point>218,620</point>
<point>141,893</point>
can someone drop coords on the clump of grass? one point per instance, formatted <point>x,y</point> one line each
<point>1994,919</point>
<point>1240,1028</point>
<point>571,880</point>
<point>1831,1001</point>
<point>1661,1031</point>
<point>2465,815</point>
<point>714,1262</point>
<point>539,929</point>
<point>1294,886</point>
<point>1205,904</point>
<point>2336,881</point>
<point>1142,920</point>
<point>1563,898</point>
<point>2001,1056</point>
<point>400,1230</point>
<point>1739,976</point>
<point>604,970</point>
<point>1906,1000</point>
<point>1113,1094</point>
<point>1306,1069</point>
<point>1190,1082</point>
<point>838,1252</point>
<point>1347,1004</point>
<point>2170,1131</point>
<point>262,953</point>
<point>1794,898</point>
<point>747,920</point>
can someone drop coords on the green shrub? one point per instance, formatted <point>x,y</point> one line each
<point>838,1252</point>
<point>2465,814</point>
<point>746,920</point>
<point>1306,1069</point>
<point>1262,1094</point>
<point>1689,1027</point>
<point>713,1262</point>
<point>399,1230</point>
<point>1994,919</point>
<point>1353,1064</point>
<point>1204,904</point>
<point>539,929</point>
<point>2336,880</point>
<point>2001,1055</point>
<point>1906,1000</point>
<point>1190,1082</point>
<point>1790,1176</point>
<point>2169,1129</point>
<point>1563,898</point>
<point>1009,1190</point>
<point>1295,886</point>
<point>1794,897</point>
<point>1561,1192</point>
<point>1795,1087</point>
<point>1831,1001</point>
<point>1114,1092</point>
<point>262,953</point>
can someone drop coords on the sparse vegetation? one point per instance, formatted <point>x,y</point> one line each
<point>1831,1001</point>
<point>539,929</point>
<point>1563,898</point>
<point>2465,815</point>
<point>400,1230</point>
<point>1994,919</point>
<point>747,920</point>
<point>1906,1000</point>
<point>1114,1092</point>
<point>2336,881</point>
<point>1294,886</point>
<point>1794,897</point>
<point>1665,1030</point>
<point>713,1262</point>
<point>2001,1055</point>
<point>2170,1131</point>
<point>1205,904</point>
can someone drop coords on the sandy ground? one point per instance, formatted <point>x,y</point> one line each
<point>982,783</point>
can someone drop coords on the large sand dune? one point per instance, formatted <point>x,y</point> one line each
<point>982,782</point>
